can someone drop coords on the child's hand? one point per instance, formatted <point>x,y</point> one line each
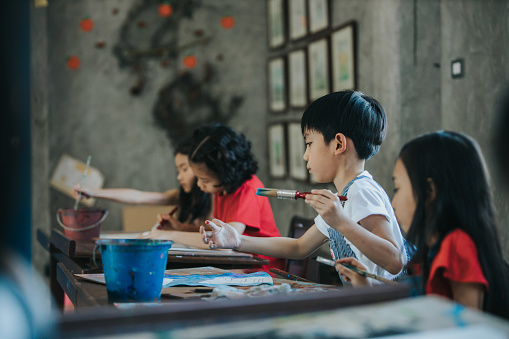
<point>349,275</point>
<point>85,192</point>
<point>167,222</point>
<point>222,235</point>
<point>328,205</point>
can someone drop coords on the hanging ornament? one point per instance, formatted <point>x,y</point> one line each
<point>165,9</point>
<point>73,62</point>
<point>227,21</point>
<point>189,61</point>
<point>142,24</point>
<point>87,24</point>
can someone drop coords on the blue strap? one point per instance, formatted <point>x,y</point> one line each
<point>337,243</point>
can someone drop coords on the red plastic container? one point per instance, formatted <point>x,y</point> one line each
<point>82,224</point>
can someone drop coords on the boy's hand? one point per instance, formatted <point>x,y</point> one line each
<point>349,275</point>
<point>85,192</point>
<point>328,205</point>
<point>222,235</point>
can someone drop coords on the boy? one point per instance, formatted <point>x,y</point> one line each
<point>341,130</point>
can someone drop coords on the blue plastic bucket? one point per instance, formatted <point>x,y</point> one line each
<point>133,268</point>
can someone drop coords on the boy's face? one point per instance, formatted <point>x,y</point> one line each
<point>319,157</point>
<point>208,182</point>
<point>185,175</point>
<point>403,201</point>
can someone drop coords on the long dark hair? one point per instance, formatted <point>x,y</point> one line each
<point>463,200</point>
<point>195,204</point>
<point>226,153</point>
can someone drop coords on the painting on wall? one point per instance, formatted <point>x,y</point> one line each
<point>277,151</point>
<point>318,69</point>
<point>297,78</point>
<point>343,62</point>
<point>277,86</point>
<point>276,23</point>
<point>297,17</point>
<point>296,149</point>
<point>318,15</point>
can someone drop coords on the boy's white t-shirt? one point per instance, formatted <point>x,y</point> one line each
<point>365,198</point>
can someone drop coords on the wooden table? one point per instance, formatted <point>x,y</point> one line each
<point>84,293</point>
<point>77,258</point>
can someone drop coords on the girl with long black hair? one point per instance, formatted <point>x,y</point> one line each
<point>443,200</point>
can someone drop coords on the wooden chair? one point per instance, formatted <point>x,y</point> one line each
<point>307,268</point>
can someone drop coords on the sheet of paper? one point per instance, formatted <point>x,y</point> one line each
<point>208,280</point>
<point>213,280</point>
<point>69,172</point>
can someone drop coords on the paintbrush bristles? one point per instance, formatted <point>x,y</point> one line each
<point>267,192</point>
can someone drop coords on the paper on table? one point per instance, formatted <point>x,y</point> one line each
<point>209,280</point>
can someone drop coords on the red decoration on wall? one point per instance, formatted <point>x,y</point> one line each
<point>227,21</point>
<point>165,9</point>
<point>189,61</point>
<point>142,24</point>
<point>73,62</point>
<point>87,24</point>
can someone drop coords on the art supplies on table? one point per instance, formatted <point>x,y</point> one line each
<point>76,204</point>
<point>286,194</point>
<point>363,273</point>
<point>201,278</point>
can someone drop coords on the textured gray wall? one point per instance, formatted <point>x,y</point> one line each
<point>404,54</point>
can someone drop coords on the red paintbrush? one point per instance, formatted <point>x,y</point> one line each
<point>286,194</point>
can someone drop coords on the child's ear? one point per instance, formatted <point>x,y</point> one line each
<point>431,191</point>
<point>340,143</point>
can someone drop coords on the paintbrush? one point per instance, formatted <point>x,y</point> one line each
<point>286,194</point>
<point>82,182</point>
<point>288,275</point>
<point>159,226</point>
<point>355,269</point>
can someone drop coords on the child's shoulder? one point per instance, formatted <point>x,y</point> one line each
<point>366,183</point>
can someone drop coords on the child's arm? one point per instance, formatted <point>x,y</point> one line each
<point>129,196</point>
<point>468,294</point>
<point>223,235</point>
<point>374,239</point>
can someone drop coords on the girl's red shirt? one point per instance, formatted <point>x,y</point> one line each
<point>254,211</point>
<point>456,260</point>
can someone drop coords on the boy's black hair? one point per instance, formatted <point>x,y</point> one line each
<point>226,153</point>
<point>462,200</point>
<point>352,113</point>
<point>195,204</point>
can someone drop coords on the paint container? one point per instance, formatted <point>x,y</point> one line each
<point>82,224</point>
<point>133,268</point>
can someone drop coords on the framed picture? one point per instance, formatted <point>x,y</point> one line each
<point>343,59</point>
<point>297,78</point>
<point>277,151</point>
<point>318,68</point>
<point>296,149</point>
<point>297,17</point>
<point>275,12</point>
<point>277,86</point>
<point>318,15</point>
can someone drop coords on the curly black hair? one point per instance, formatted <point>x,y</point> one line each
<point>226,153</point>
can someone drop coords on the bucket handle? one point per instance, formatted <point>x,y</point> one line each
<point>94,257</point>
<point>80,229</point>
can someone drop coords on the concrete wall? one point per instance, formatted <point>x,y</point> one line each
<point>404,53</point>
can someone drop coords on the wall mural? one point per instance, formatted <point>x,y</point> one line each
<point>186,101</point>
